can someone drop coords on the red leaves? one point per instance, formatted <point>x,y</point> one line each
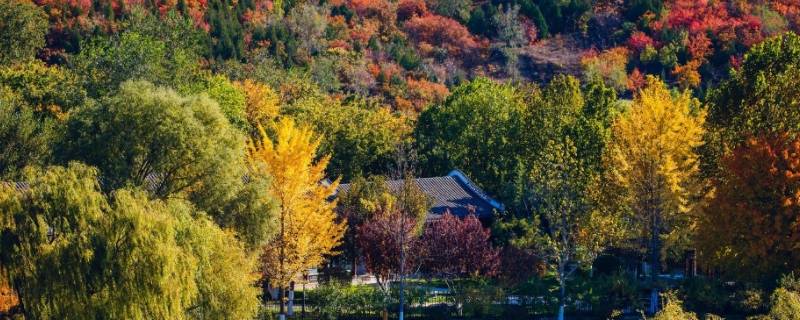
<point>381,240</point>
<point>441,32</point>
<point>407,9</point>
<point>459,247</point>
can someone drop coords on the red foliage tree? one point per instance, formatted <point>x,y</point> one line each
<point>457,247</point>
<point>753,222</point>
<point>406,9</point>
<point>383,238</point>
<point>442,32</point>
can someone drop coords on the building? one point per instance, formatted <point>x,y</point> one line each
<point>454,193</point>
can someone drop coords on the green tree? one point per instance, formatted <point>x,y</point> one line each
<point>104,63</point>
<point>172,146</point>
<point>23,26</point>
<point>477,129</point>
<point>568,231</point>
<point>360,138</point>
<point>51,91</point>
<point>24,139</point>
<point>72,252</point>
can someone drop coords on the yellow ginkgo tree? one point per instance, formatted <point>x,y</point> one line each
<point>652,166</point>
<point>309,229</point>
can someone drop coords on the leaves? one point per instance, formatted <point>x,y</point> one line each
<point>308,228</point>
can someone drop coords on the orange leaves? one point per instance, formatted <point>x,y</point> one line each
<point>442,32</point>
<point>752,221</point>
<point>261,102</point>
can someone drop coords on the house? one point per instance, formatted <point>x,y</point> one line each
<point>454,193</point>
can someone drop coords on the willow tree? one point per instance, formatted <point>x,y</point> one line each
<point>71,252</point>
<point>308,228</point>
<point>652,166</point>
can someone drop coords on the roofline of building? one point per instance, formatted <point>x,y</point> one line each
<point>458,174</point>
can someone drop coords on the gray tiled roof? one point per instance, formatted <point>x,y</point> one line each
<point>453,192</point>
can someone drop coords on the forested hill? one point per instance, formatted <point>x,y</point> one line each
<point>406,53</point>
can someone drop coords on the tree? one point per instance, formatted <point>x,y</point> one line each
<point>390,244</point>
<point>24,139</point>
<point>652,167</point>
<point>567,231</point>
<point>104,63</point>
<point>477,129</point>
<point>69,251</point>
<point>262,103</point>
<point>360,138</point>
<point>22,30</point>
<point>673,310</point>
<point>758,99</point>
<point>231,99</point>
<point>749,224</point>
<point>171,146</point>
<point>51,91</point>
<point>456,9</point>
<point>358,205</point>
<point>442,32</point>
<point>457,248</point>
<point>509,28</point>
<point>308,228</point>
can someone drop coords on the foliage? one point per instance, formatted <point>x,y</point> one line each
<point>441,32</point>
<point>262,103</point>
<point>307,228</point>
<point>51,91</point>
<point>336,299</point>
<point>750,221</point>
<point>232,101</point>
<point>168,144</point>
<point>22,30</point>
<point>24,139</point>
<point>389,244</point>
<point>458,248</point>
<point>673,310</point>
<point>785,305</point>
<point>361,139</point>
<point>757,99</point>
<point>607,66</point>
<point>652,168</point>
<point>104,63</point>
<point>60,230</point>
<point>475,130</point>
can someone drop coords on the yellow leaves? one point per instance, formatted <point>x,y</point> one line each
<point>651,155</point>
<point>262,103</point>
<point>309,230</point>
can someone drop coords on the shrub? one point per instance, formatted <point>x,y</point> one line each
<point>785,305</point>
<point>673,309</point>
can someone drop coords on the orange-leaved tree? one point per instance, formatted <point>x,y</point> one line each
<point>753,221</point>
<point>309,230</point>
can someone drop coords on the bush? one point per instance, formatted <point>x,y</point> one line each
<point>335,299</point>
<point>785,305</point>
<point>705,295</point>
<point>673,309</point>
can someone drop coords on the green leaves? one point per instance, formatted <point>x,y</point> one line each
<point>71,252</point>
<point>23,26</point>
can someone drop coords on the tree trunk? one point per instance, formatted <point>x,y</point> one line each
<point>290,307</point>
<point>562,297</point>
<point>281,296</point>
<point>354,265</point>
<point>655,260</point>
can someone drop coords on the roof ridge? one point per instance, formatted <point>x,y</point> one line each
<point>459,175</point>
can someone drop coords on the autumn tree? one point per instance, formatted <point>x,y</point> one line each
<point>358,205</point>
<point>652,167</point>
<point>390,245</point>
<point>308,228</point>
<point>758,99</point>
<point>458,248</point>
<point>262,103</point>
<point>22,31</point>
<point>750,222</point>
